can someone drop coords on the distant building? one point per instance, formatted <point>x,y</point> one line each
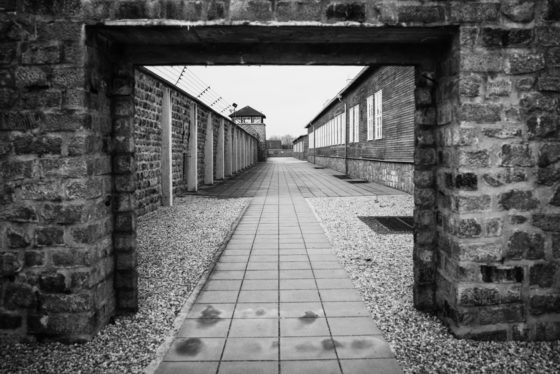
<point>252,121</point>
<point>274,144</point>
<point>274,148</point>
<point>301,147</point>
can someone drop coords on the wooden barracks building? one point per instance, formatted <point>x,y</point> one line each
<point>367,130</point>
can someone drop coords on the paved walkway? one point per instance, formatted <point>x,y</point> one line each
<point>278,301</point>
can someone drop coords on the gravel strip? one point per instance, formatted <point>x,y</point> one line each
<point>381,268</point>
<point>176,246</point>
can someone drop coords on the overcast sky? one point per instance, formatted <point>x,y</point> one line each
<point>289,96</point>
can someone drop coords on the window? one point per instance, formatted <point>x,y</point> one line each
<point>370,130</point>
<point>343,120</point>
<point>351,126</point>
<point>378,115</point>
<point>355,124</point>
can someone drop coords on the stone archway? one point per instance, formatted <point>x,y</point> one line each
<point>306,45</point>
<point>487,185</point>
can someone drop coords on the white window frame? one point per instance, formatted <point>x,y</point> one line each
<point>379,114</point>
<point>370,116</point>
<point>343,119</point>
<point>357,123</point>
<point>351,125</point>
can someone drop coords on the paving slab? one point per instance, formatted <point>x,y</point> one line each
<point>278,300</point>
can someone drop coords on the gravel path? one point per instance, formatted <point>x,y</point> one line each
<point>176,246</point>
<point>381,268</point>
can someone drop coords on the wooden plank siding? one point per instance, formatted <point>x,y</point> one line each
<point>397,144</point>
<point>388,160</point>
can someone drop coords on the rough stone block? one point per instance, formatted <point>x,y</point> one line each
<point>505,37</point>
<point>466,181</point>
<point>34,258</point>
<point>18,213</point>
<point>425,116</point>
<point>474,159</point>
<point>544,275</point>
<point>552,10</point>
<point>251,10</point>
<point>60,213</point>
<point>516,199</point>
<point>126,260</point>
<point>523,63</point>
<point>47,236</point>
<point>547,222</point>
<point>52,282</point>
<point>124,242</point>
<point>126,279</point>
<point>14,170</point>
<point>543,127</point>
<point>421,14</point>
<point>543,304</point>
<point>87,234</point>
<point>481,113</point>
<point>474,12</point>
<point>41,53</point>
<point>425,156</point>
<point>477,252</point>
<point>494,227</point>
<point>468,228</point>
<point>17,238</point>
<point>501,274</point>
<point>84,189</point>
<point>469,85</point>
<point>517,155</point>
<point>549,153</point>
<point>488,295</point>
<point>299,10</point>
<point>472,203</point>
<point>31,77</point>
<point>555,200</point>
<point>549,82</point>
<point>482,62</point>
<point>10,264</point>
<point>73,303</point>
<point>522,245</point>
<point>501,314</point>
<point>518,10</point>
<point>20,295</point>
<point>10,320</point>
<point>424,197</point>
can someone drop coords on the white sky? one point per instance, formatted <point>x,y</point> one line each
<point>289,96</point>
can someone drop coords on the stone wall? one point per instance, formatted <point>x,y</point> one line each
<point>486,155</point>
<point>259,132</point>
<point>56,222</point>
<point>148,99</point>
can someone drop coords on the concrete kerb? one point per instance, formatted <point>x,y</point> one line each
<point>187,306</point>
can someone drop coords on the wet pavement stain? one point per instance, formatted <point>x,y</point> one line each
<point>361,344</point>
<point>308,318</point>
<point>306,347</point>
<point>189,347</point>
<point>260,312</point>
<point>329,345</point>
<point>209,316</point>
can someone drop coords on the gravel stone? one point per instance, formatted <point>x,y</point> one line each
<point>176,245</point>
<point>381,268</point>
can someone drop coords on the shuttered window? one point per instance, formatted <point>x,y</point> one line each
<point>378,115</point>
<point>370,116</point>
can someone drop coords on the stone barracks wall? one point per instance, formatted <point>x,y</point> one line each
<point>486,158</point>
<point>148,138</point>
